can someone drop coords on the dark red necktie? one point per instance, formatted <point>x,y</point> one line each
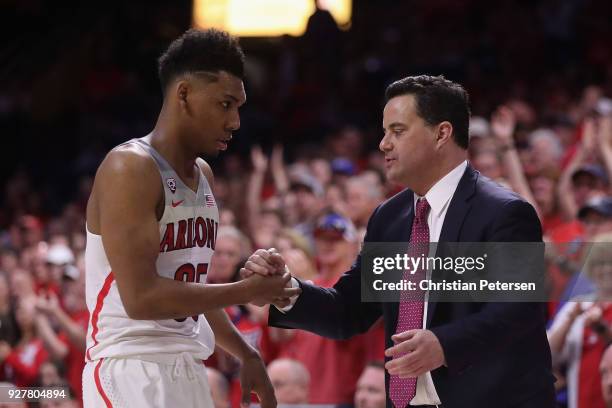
<point>410,315</point>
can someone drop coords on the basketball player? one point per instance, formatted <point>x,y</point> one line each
<point>151,226</point>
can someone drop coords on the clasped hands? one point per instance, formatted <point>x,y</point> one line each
<point>269,278</point>
<point>415,351</point>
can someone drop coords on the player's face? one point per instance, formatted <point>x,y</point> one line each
<point>212,112</point>
<point>408,142</point>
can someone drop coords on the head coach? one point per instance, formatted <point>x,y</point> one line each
<point>450,355</point>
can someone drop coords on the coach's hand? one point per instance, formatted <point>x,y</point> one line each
<point>415,352</point>
<point>254,378</point>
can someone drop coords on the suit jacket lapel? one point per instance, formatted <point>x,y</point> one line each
<point>458,210</point>
<point>459,206</point>
<point>401,233</point>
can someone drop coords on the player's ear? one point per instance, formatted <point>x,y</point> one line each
<point>182,90</point>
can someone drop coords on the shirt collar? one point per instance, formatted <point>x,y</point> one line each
<point>440,194</point>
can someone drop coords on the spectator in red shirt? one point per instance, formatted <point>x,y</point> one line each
<point>8,326</point>
<point>69,343</point>
<point>582,329</point>
<point>22,363</point>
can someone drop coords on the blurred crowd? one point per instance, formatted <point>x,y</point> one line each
<point>304,172</point>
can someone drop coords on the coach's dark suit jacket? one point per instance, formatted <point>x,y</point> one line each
<point>497,354</point>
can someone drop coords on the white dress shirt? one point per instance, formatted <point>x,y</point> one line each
<point>439,197</point>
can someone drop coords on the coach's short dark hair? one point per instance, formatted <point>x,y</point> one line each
<point>437,100</point>
<point>201,50</point>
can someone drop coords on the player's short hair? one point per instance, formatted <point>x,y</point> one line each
<point>209,51</point>
<point>437,100</point>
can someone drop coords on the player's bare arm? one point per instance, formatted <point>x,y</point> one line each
<point>253,375</point>
<point>126,216</point>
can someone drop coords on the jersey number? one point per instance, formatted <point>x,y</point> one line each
<point>189,273</point>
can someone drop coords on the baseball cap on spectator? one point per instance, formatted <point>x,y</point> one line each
<point>479,127</point>
<point>593,170</point>
<point>336,227</point>
<point>61,255</point>
<point>304,180</point>
<point>341,165</point>
<point>601,205</point>
<point>604,106</point>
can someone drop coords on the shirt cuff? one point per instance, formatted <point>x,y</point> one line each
<point>292,299</point>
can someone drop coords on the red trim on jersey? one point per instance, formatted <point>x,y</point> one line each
<point>96,313</point>
<point>99,384</point>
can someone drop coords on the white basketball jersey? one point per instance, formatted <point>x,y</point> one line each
<point>187,234</point>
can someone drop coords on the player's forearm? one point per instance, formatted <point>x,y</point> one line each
<point>227,336</point>
<point>170,299</point>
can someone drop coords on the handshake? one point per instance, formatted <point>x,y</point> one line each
<point>267,279</point>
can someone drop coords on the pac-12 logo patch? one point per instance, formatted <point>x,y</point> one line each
<point>171,182</point>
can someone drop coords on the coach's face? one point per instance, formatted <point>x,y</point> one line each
<point>409,143</point>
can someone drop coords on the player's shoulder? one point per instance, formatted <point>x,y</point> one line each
<point>126,175</point>
<point>128,164</point>
<point>206,170</point>
<point>127,158</point>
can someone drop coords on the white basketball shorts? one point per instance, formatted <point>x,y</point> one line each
<point>146,381</point>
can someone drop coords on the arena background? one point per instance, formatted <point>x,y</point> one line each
<point>78,78</point>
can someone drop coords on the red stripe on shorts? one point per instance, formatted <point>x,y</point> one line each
<point>99,384</point>
<point>96,313</point>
